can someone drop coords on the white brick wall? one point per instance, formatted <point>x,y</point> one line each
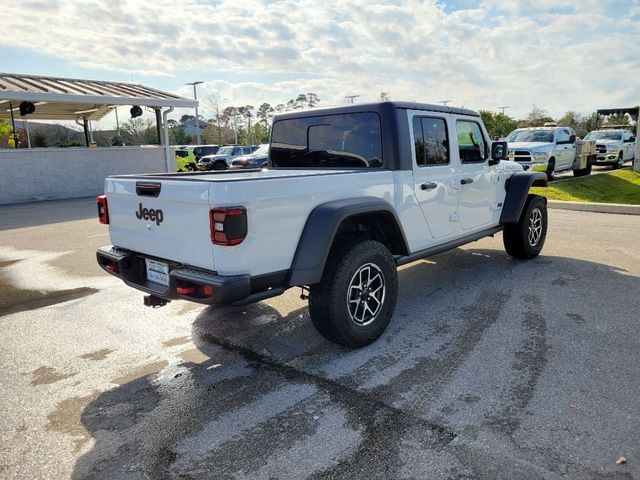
<point>53,173</point>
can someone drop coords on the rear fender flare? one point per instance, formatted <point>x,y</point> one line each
<point>320,230</point>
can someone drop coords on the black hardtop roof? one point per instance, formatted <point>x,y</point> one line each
<point>374,107</point>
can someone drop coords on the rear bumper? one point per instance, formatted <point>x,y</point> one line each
<point>131,269</point>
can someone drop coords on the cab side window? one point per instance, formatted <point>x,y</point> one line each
<point>430,138</point>
<point>471,144</point>
<point>562,136</point>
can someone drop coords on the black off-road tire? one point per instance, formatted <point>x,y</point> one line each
<point>329,307</point>
<point>219,165</point>
<point>518,239</point>
<point>619,163</point>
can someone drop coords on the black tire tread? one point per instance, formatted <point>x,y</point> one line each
<point>324,297</point>
<point>514,235</point>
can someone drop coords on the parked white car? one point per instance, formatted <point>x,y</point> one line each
<point>543,149</point>
<point>614,147</point>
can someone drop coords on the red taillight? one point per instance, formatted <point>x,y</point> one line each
<point>113,267</point>
<point>207,290</point>
<point>228,225</point>
<point>103,210</point>
<point>186,289</point>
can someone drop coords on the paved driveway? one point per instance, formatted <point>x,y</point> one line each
<point>491,367</point>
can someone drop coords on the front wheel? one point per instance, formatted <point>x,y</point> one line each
<point>619,163</point>
<point>353,303</point>
<point>525,239</point>
<point>551,170</point>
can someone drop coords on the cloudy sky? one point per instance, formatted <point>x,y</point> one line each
<point>560,55</point>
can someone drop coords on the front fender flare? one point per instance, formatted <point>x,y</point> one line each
<point>517,187</point>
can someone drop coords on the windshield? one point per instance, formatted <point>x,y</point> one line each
<point>603,136</point>
<point>262,150</point>
<point>545,136</point>
<point>349,140</point>
<point>226,150</point>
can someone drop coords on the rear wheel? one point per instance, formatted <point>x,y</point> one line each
<point>525,239</point>
<point>353,303</point>
<point>619,163</point>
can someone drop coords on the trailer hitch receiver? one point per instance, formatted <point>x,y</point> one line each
<point>154,302</point>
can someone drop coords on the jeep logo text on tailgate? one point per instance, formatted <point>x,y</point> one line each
<point>150,214</point>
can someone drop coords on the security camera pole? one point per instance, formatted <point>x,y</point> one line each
<point>195,97</point>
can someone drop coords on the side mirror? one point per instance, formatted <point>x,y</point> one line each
<point>499,151</point>
<point>632,139</point>
<point>572,139</point>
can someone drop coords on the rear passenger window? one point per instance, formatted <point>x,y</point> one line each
<point>471,144</point>
<point>430,138</point>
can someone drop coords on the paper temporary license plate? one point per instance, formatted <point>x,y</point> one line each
<point>512,156</point>
<point>157,272</point>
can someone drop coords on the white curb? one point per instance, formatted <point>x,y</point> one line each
<point>595,207</point>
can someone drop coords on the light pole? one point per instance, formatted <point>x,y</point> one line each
<point>504,108</point>
<point>351,98</point>
<point>445,102</point>
<point>195,97</point>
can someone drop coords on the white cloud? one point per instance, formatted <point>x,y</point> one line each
<point>496,53</point>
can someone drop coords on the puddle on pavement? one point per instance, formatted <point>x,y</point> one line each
<point>67,418</point>
<point>176,341</point>
<point>193,356</point>
<point>97,355</point>
<point>14,299</point>
<point>141,371</point>
<point>48,375</point>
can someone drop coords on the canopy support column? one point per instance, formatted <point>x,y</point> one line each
<point>159,125</point>
<point>171,165</point>
<point>85,125</point>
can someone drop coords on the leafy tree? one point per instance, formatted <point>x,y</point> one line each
<point>588,124</point>
<point>138,131</point>
<point>537,118</point>
<point>498,124</point>
<point>186,118</point>
<point>6,134</point>
<point>265,113</point>
<point>618,119</point>
<point>40,139</point>
<point>178,135</point>
<point>570,119</point>
<point>312,100</point>
<point>383,96</point>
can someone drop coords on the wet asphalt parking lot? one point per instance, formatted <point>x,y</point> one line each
<point>491,367</point>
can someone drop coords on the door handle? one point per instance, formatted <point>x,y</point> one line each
<point>466,181</point>
<point>428,186</point>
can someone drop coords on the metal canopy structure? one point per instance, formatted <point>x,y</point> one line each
<point>54,98</point>
<point>74,99</point>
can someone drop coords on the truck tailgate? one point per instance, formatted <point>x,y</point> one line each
<point>172,225</point>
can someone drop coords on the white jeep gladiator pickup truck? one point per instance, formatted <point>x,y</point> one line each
<point>349,194</point>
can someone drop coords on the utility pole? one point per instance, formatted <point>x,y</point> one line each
<point>445,102</point>
<point>351,98</point>
<point>195,97</point>
<point>504,108</point>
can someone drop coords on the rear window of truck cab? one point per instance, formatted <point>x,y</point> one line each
<point>350,140</point>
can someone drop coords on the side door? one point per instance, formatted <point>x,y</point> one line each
<point>433,173</point>
<point>628,145</point>
<point>563,148</point>
<point>478,182</point>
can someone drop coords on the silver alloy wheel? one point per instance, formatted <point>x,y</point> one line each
<point>535,227</point>
<point>365,295</point>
